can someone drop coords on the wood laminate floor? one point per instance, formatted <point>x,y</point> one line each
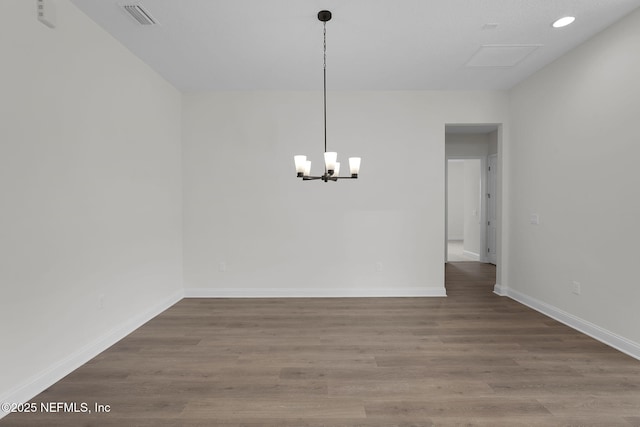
<point>472,358</point>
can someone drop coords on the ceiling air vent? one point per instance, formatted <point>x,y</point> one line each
<point>139,14</point>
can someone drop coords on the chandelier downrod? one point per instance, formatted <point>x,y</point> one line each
<point>332,167</point>
<point>324,77</point>
<point>324,16</point>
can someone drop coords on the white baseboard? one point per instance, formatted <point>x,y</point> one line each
<point>473,255</point>
<point>499,290</point>
<point>313,293</point>
<point>58,370</point>
<point>594,331</point>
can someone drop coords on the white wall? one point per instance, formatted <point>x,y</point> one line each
<point>90,194</point>
<point>492,143</point>
<point>467,145</point>
<point>575,147</point>
<point>472,207</point>
<point>277,235</point>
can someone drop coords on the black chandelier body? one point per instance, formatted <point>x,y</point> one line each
<point>332,166</point>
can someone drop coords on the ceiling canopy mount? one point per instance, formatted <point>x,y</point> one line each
<point>324,15</point>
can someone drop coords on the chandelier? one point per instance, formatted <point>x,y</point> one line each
<point>331,164</point>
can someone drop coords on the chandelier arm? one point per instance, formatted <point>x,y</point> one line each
<point>327,177</point>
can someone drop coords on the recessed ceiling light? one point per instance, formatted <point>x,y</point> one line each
<point>563,22</point>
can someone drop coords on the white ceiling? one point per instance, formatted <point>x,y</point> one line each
<point>371,44</point>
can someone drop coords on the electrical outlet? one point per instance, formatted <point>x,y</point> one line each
<point>379,266</point>
<point>101,301</point>
<point>223,266</point>
<point>534,219</point>
<point>576,288</point>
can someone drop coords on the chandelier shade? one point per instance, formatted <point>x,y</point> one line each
<point>354,165</point>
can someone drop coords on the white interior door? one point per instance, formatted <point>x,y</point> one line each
<point>492,224</point>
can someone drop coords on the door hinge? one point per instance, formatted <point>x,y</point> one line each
<point>488,222</point>
<point>489,195</point>
<point>488,249</point>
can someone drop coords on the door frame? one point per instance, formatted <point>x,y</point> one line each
<point>501,184</point>
<point>492,257</point>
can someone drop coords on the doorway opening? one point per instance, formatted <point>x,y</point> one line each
<point>472,225</point>
<point>472,196</point>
